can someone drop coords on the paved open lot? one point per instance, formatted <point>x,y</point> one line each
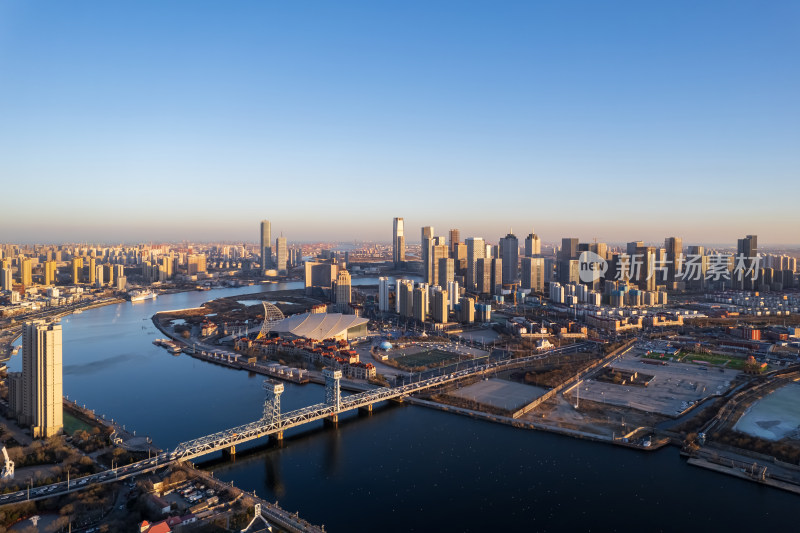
<point>775,416</point>
<point>500,393</point>
<point>670,392</point>
<point>487,335</point>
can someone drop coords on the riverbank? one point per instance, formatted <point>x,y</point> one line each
<point>742,472</point>
<point>285,520</point>
<point>10,334</point>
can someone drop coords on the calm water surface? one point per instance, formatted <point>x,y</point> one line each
<point>403,468</point>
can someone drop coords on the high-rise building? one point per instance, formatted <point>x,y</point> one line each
<point>266,248</point>
<point>446,271</point>
<point>476,249</point>
<point>6,279</point>
<point>453,293</point>
<point>342,292</point>
<point>437,253</point>
<point>281,255</point>
<point>533,245</point>
<point>509,253</point>
<point>633,246</point>
<point>420,302</point>
<point>426,243</point>
<point>77,269</point>
<point>92,270</point>
<point>320,274</point>
<point>646,257</point>
<point>569,248</point>
<point>483,276</point>
<point>383,294</point>
<point>440,306</point>
<point>98,276</point>
<point>398,242</point>
<point>674,248</point>
<point>455,238</point>
<point>746,266</point>
<point>35,394</point>
<point>497,275</point>
<point>26,271</point>
<point>467,310</point>
<point>405,297</point>
<point>533,273</point>
<point>568,254</point>
<point>196,263</point>
<point>108,274</point>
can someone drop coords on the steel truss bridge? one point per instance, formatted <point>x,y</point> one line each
<point>275,423</point>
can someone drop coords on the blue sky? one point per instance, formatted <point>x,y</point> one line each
<point>616,120</point>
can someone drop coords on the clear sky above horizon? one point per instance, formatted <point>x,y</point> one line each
<point>195,120</point>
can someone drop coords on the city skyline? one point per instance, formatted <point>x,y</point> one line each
<point>574,119</point>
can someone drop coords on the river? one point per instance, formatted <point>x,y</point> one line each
<point>404,468</point>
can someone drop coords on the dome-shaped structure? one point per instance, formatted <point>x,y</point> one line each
<point>386,345</point>
<point>272,316</point>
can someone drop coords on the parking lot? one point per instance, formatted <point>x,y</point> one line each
<point>672,390</point>
<point>190,494</point>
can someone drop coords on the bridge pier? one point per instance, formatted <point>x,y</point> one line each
<point>277,437</point>
<point>366,410</point>
<point>331,421</point>
<point>229,453</point>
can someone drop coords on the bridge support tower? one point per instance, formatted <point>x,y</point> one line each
<point>333,392</point>
<point>272,402</point>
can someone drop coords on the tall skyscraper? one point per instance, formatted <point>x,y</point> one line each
<point>453,293</point>
<point>383,294</point>
<point>497,275</point>
<point>398,242</point>
<point>426,242</point>
<point>437,253</point>
<point>674,247</point>
<point>49,272</point>
<point>26,271</point>
<point>567,260</point>
<point>98,276</point>
<point>77,269</point>
<point>633,246</point>
<point>440,306</point>
<point>281,255</point>
<point>92,270</point>
<point>6,279</point>
<point>405,297</point>
<point>35,394</point>
<point>533,245</point>
<point>455,238</point>
<point>483,275</point>
<point>447,271</point>
<point>747,251</point>
<point>266,248</point>
<point>420,302</point>
<point>467,309</point>
<point>476,249</point>
<point>320,274</point>
<point>646,278</point>
<point>342,292</point>
<point>533,273</point>
<point>509,253</point>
